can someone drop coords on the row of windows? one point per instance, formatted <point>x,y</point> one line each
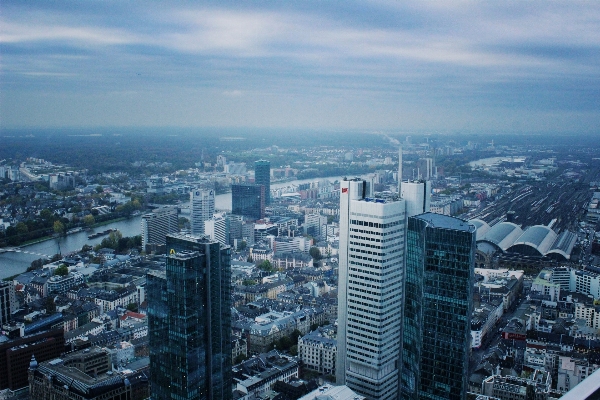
<point>375,224</point>
<point>374,273</point>
<point>372,233</point>
<point>390,312</point>
<point>398,243</point>
<point>390,282</point>
<point>378,390</point>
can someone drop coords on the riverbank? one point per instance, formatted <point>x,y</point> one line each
<point>52,237</point>
<point>12,262</point>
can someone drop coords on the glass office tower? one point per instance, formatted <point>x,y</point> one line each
<point>248,200</point>
<point>436,337</point>
<point>262,176</point>
<point>189,321</point>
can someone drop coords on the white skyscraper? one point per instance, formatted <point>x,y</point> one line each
<point>417,195</point>
<point>218,228</point>
<point>371,273</point>
<point>157,225</point>
<point>202,207</point>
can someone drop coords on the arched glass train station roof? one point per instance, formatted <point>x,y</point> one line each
<point>538,240</point>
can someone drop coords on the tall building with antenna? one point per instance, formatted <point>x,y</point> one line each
<point>416,193</point>
<point>371,273</point>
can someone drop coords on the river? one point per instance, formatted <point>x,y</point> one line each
<point>12,263</point>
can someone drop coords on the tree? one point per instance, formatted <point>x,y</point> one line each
<point>266,266</point>
<point>183,222</point>
<point>61,270</point>
<point>46,215</point>
<point>315,253</point>
<point>295,335</point>
<point>284,343</point>
<point>136,204</point>
<point>21,228</point>
<point>99,189</point>
<point>294,350</point>
<point>59,227</point>
<point>242,245</point>
<point>112,241</point>
<point>89,220</point>
<point>37,264</point>
<point>132,307</point>
<point>49,304</point>
<point>239,358</point>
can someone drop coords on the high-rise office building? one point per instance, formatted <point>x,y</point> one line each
<point>202,208</point>
<point>218,228</point>
<point>262,176</point>
<point>158,224</point>
<point>248,200</point>
<point>189,321</point>
<point>436,336</point>
<point>371,268</point>
<point>8,301</point>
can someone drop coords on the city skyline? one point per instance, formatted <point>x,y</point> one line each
<point>468,66</point>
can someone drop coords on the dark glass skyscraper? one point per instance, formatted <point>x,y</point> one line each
<point>248,200</point>
<point>189,321</point>
<point>262,176</point>
<point>436,337</point>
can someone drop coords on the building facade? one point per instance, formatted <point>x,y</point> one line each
<point>15,355</point>
<point>262,176</point>
<point>417,195</point>
<point>318,350</point>
<point>157,225</point>
<point>218,228</point>
<point>189,321</point>
<point>371,268</point>
<point>248,200</point>
<point>436,337</point>
<point>202,208</point>
<point>85,374</point>
<point>8,301</point>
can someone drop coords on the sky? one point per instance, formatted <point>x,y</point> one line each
<point>429,66</point>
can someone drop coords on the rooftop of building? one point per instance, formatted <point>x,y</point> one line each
<point>183,255</point>
<point>74,379</point>
<point>330,392</point>
<point>445,222</point>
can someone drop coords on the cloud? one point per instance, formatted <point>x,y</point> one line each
<point>443,57</point>
<point>233,93</point>
<point>12,32</point>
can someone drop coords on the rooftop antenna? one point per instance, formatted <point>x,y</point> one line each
<point>400,171</point>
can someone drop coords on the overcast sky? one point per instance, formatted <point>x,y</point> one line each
<point>433,66</point>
